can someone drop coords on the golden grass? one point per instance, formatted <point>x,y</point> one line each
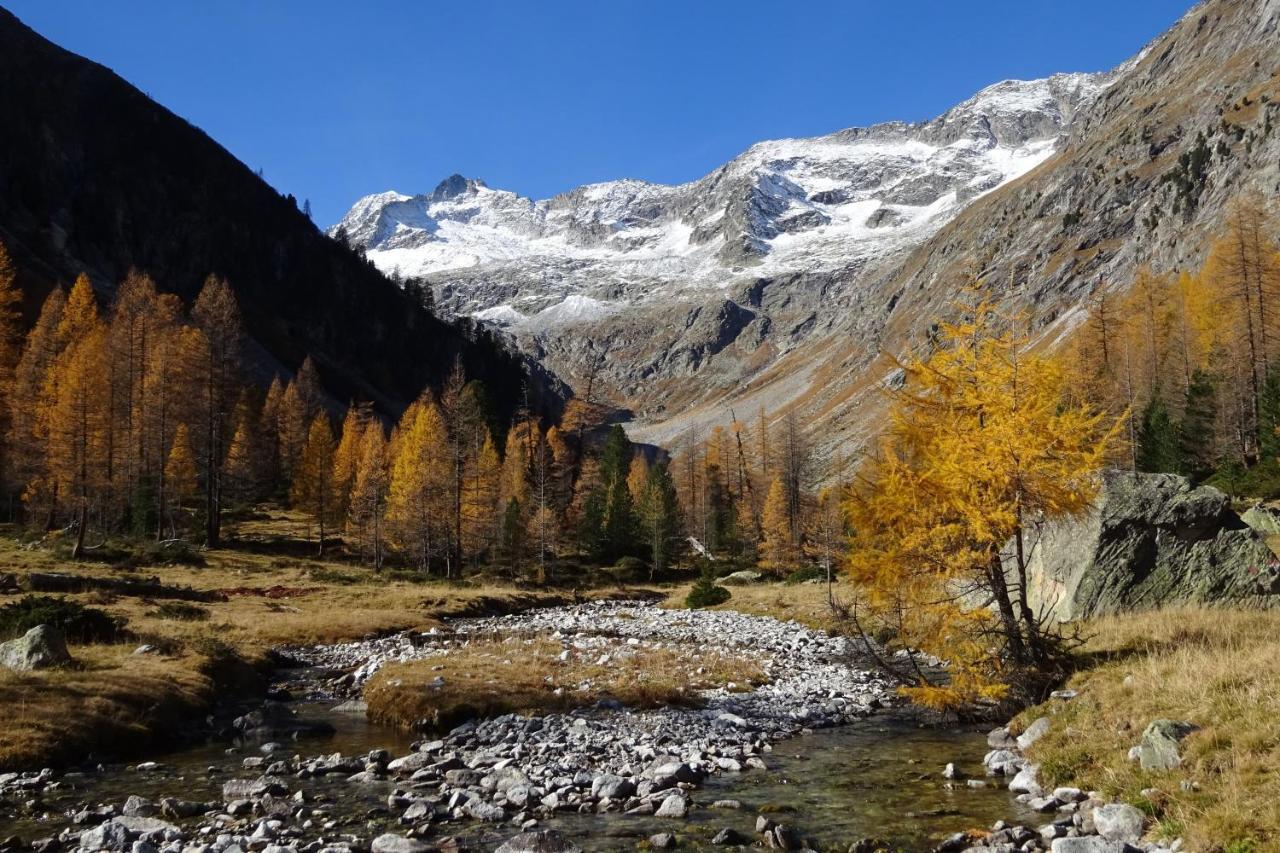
<point>1219,669</point>
<point>494,677</point>
<point>115,697</point>
<point>805,603</point>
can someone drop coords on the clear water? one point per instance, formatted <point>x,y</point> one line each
<point>878,778</point>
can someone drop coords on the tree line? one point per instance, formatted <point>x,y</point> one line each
<point>1191,359</point>
<point>138,418</point>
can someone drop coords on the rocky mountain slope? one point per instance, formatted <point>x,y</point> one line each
<point>784,278</point>
<point>96,177</point>
<point>603,266</point>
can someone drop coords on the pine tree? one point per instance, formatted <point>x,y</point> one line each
<point>1196,429</point>
<point>313,486</point>
<point>659,511</point>
<point>1158,440</point>
<point>619,516</point>
<point>1269,415</point>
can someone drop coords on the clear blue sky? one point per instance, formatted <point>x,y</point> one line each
<point>336,100</point>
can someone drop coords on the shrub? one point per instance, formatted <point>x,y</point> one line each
<point>181,612</point>
<point>79,624</point>
<point>705,593</point>
<point>808,573</point>
<point>631,569</point>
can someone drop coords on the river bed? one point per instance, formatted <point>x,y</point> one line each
<point>810,750</point>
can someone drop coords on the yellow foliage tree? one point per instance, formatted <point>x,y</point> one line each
<point>984,444</point>
<point>369,485</point>
<point>180,473</point>
<point>480,501</point>
<point>777,551</point>
<point>417,504</point>
<point>78,426</point>
<point>313,486</point>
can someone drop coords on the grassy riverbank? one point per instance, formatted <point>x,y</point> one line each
<point>490,678</point>
<point>1218,669</point>
<point>115,702</point>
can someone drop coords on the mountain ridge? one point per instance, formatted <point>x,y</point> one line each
<point>96,177</point>
<point>662,296</point>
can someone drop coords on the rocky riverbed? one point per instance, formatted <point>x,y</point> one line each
<point>730,772</point>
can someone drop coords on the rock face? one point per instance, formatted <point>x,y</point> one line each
<point>1150,540</point>
<point>40,648</point>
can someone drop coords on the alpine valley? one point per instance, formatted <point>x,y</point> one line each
<point>791,277</point>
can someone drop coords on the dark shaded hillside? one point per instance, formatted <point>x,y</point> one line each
<point>96,177</point>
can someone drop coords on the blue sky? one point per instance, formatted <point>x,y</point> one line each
<point>335,100</point>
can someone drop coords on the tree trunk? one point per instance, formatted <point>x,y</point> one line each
<point>1008,620</point>
<point>78,550</point>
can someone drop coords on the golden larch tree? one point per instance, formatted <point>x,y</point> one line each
<point>313,488</point>
<point>984,445</point>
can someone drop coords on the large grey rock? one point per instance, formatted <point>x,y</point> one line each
<point>105,836</point>
<point>42,647</point>
<point>391,843</point>
<point>1118,822</point>
<point>1150,540</point>
<point>1158,749</point>
<point>1087,844</point>
<point>1034,732</point>
<point>742,578</point>
<point>675,805</point>
<point>545,841</point>
<point>611,786</point>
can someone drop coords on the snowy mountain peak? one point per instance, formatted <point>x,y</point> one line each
<point>849,201</point>
<point>454,186</point>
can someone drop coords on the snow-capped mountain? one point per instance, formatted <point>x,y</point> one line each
<point>782,206</point>
<point>790,278</point>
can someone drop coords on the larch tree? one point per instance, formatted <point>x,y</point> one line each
<point>984,446</point>
<point>416,499</point>
<point>313,487</point>
<point>78,427</point>
<point>180,476</point>
<point>11,340</point>
<point>829,534</point>
<point>218,318</point>
<point>480,501</point>
<point>347,456</point>
<point>777,551</point>
<point>369,487</point>
<point>30,407</point>
<point>269,427</point>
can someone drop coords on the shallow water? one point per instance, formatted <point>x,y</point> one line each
<point>879,778</point>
